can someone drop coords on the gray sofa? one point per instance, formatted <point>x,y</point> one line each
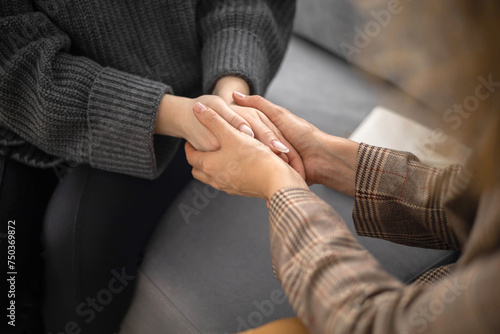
<point>208,267</point>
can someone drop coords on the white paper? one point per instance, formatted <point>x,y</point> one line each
<point>385,128</point>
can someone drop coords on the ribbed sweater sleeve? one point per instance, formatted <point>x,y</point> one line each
<point>244,38</point>
<point>71,107</point>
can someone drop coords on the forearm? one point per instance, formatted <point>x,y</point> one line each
<point>394,186</point>
<point>171,113</point>
<point>325,273</point>
<point>71,107</point>
<point>336,286</point>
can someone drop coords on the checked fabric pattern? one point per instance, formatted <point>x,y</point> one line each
<point>336,286</point>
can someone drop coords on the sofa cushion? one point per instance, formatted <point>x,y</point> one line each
<point>326,23</point>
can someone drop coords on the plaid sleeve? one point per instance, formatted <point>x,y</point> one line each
<point>404,201</point>
<point>336,286</point>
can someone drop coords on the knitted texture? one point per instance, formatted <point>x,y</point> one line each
<point>81,80</point>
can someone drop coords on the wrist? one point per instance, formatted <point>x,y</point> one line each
<point>337,167</point>
<point>284,177</point>
<point>170,119</point>
<point>227,85</point>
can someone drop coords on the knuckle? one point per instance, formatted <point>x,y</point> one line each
<point>210,116</point>
<point>267,133</point>
<point>196,173</point>
<point>202,166</point>
<point>212,101</point>
<point>233,119</point>
<point>215,145</point>
<point>217,100</point>
<point>279,110</point>
<point>206,168</point>
<point>212,145</point>
<point>259,99</point>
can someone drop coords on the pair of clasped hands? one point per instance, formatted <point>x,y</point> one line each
<point>246,145</point>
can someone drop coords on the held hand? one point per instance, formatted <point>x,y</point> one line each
<point>328,160</point>
<point>243,165</point>
<point>175,118</point>
<point>265,131</point>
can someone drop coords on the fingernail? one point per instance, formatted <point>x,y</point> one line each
<point>199,108</point>
<point>280,147</point>
<point>245,129</point>
<point>240,94</point>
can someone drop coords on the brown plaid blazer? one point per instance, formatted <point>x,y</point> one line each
<point>336,286</point>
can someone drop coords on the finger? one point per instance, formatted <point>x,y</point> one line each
<point>267,136</point>
<point>284,157</point>
<point>214,123</point>
<point>233,118</point>
<point>274,112</point>
<point>293,157</point>
<point>194,157</point>
<point>277,116</point>
<point>189,149</point>
<point>297,164</point>
<point>200,176</point>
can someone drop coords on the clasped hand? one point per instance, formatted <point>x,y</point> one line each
<point>245,166</point>
<point>248,146</point>
<point>242,165</point>
<point>175,118</point>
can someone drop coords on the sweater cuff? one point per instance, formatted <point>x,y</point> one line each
<point>235,52</point>
<point>122,114</point>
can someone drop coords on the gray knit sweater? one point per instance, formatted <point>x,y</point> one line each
<point>81,80</point>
